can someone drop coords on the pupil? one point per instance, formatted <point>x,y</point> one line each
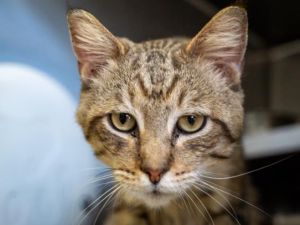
<point>123,118</point>
<point>191,120</point>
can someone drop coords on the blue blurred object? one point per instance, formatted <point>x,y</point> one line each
<point>35,33</point>
<point>43,155</point>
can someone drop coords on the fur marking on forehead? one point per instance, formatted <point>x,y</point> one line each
<point>155,72</point>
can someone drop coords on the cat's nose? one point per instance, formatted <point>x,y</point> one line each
<point>154,174</point>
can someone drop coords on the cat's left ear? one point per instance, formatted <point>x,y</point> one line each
<point>223,41</point>
<point>92,43</point>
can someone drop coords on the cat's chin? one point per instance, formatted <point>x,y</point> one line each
<point>151,199</point>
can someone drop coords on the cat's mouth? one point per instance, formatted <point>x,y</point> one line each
<point>155,192</point>
<point>153,198</point>
<point>157,199</point>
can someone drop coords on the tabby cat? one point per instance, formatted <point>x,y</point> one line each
<point>166,116</point>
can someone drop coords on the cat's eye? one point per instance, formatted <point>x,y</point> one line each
<point>191,123</point>
<point>123,122</point>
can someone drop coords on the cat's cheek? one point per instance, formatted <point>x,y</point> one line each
<point>104,156</point>
<point>109,156</point>
<point>107,160</point>
<point>224,149</point>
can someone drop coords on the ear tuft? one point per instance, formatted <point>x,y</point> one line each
<point>92,43</point>
<point>223,39</point>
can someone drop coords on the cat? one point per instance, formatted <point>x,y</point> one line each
<point>167,117</point>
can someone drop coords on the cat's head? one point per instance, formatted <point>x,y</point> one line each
<point>161,113</point>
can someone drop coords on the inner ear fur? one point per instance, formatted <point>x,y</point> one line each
<point>223,41</point>
<point>92,43</point>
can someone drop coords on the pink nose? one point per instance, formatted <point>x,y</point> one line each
<point>154,175</point>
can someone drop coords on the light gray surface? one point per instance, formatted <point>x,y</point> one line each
<point>277,141</point>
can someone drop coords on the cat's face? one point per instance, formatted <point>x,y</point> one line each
<point>161,113</point>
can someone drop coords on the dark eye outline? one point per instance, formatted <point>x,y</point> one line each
<point>132,130</point>
<point>192,132</point>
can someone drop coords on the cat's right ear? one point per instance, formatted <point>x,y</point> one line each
<point>92,43</point>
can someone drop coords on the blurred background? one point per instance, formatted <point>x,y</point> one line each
<point>44,160</point>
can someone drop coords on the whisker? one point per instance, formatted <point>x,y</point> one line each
<point>180,196</point>
<point>103,169</point>
<point>211,173</point>
<point>249,172</point>
<point>220,186</point>
<point>219,203</point>
<point>236,197</point>
<point>99,179</point>
<point>177,203</point>
<point>222,196</point>
<point>106,183</point>
<point>100,201</point>
<point>199,210</point>
<point>184,202</point>
<point>206,210</point>
<point>190,207</point>
<point>95,180</point>
<point>226,200</point>
<point>106,202</point>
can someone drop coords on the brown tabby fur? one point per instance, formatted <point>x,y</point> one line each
<point>156,82</point>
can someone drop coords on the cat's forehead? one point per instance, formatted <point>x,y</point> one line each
<point>156,64</point>
<point>153,65</point>
<point>154,54</point>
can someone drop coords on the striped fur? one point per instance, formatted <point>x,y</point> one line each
<point>156,82</point>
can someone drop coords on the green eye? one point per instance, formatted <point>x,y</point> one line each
<point>123,122</point>
<point>191,123</point>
